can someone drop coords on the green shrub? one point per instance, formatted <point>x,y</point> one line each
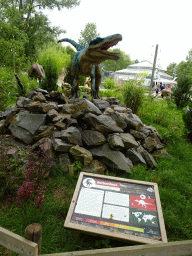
<point>133,95</point>
<point>181,92</point>
<point>11,173</point>
<point>109,83</point>
<point>7,88</point>
<point>27,82</point>
<point>107,93</point>
<point>58,56</point>
<point>187,118</point>
<point>49,83</point>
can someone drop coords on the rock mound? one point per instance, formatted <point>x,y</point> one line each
<point>100,133</point>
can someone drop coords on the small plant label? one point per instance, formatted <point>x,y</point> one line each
<point>117,207</point>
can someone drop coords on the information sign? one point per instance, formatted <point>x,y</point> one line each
<point>116,207</point>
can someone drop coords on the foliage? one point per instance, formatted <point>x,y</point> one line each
<point>184,68</point>
<point>133,95</point>
<point>38,38</point>
<point>37,169</point>
<point>77,165</point>
<point>88,34</point>
<point>12,43</point>
<point>189,56</point>
<point>106,93</point>
<point>58,56</point>
<point>7,87</point>
<point>49,83</point>
<point>20,38</point>
<point>122,63</point>
<point>109,83</point>
<point>181,92</point>
<point>141,77</point>
<point>11,173</point>
<point>171,69</point>
<point>187,118</point>
<point>69,50</point>
<point>27,82</point>
<point>163,114</point>
<point>68,76</point>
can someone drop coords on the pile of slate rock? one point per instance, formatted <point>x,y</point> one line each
<point>101,133</point>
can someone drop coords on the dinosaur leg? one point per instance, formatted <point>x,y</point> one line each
<point>97,80</point>
<point>75,88</point>
<point>93,92</point>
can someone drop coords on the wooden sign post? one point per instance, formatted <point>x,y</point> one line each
<point>117,208</point>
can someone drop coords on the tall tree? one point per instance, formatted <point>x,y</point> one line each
<point>25,17</point>
<point>184,68</point>
<point>122,63</point>
<point>171,69</point>
<point>88,34</point>
<point>189,56</point>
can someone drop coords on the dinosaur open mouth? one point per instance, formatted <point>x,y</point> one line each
<point>106,46</point>
<point>103,49</point>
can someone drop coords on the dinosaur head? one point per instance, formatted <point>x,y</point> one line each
<point>98,48</point>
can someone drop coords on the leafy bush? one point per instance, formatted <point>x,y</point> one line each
<point>181,92</point>
<point>133,95</point>
<point>109,83</point>
<point>187,118</point>
<point>37,169</point>
<point>7,87</point>
<point>27,82</point>
<point>107,93</point>
<point>77,165</point>
<point>49,83</point>
<point>58,56</point>
<point>11,174</point>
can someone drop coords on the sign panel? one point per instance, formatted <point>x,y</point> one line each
<point>116,207</point>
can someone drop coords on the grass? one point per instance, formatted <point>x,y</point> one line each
<point>173,175</point>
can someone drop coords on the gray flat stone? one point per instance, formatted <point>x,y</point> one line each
<point>128,140</point>
<point>61,146</point>
<point>135,157</point>
<point>102,123</point>
<point>115,160</point>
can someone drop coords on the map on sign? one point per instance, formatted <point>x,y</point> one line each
<point>128,208</point>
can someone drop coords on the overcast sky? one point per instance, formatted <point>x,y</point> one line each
<point>142,23</point>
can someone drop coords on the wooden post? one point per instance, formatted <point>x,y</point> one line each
<point>153,71</point>
<point>33,232</point>
<point>17,243</point>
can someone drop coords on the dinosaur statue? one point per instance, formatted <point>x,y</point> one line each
<point>36,71</point>
<point>87,61</point>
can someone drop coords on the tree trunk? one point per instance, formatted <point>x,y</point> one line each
<point>20,5</point>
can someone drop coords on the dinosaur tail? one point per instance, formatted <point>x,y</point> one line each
<point>76,45</point>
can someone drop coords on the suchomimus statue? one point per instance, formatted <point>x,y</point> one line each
<point>87,61</point>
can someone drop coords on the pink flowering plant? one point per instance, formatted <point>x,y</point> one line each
<point>34,186</point>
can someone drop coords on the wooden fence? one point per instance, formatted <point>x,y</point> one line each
<point>26,247</point>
